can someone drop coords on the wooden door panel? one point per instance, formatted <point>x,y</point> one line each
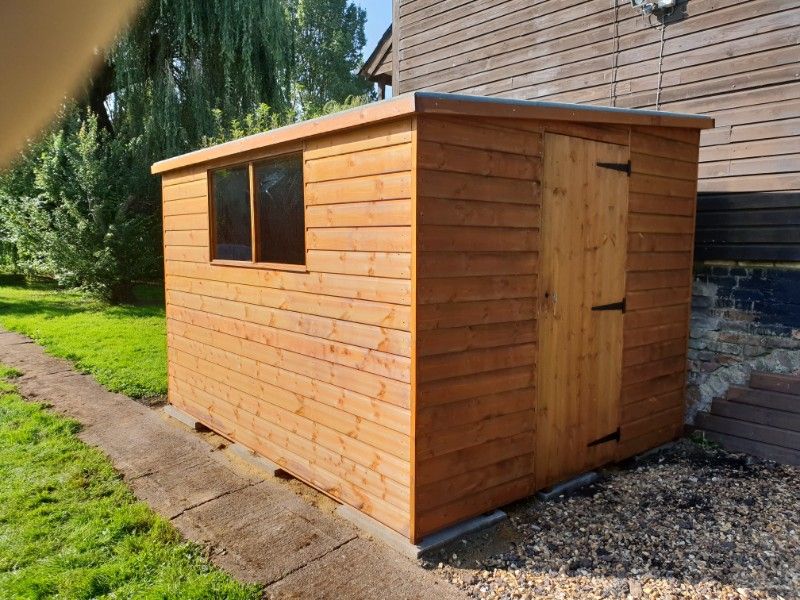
<point>584,223</point>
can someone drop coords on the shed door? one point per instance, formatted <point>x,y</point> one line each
<point>581,288</point>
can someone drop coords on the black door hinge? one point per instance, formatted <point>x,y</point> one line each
<point>611,437</point>
<point>613,306</point>
<point>622,167</point>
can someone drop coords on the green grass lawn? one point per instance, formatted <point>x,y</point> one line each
<point>69,528</point>
<point>123,347</point>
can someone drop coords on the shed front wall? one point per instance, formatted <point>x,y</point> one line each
<point>479,193</point>
<point>310,369</point>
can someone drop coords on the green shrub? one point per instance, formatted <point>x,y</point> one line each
<point>78,207</point>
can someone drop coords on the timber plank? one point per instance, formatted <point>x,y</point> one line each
<point>277,448</point>
<point>384,213</point>
<point>763,398</point>
<point>756,414</point>
<point>260,361</point>
<point>749,431</point>
<point>443,211</point>
<point>255,323</point>
<point>462,339</point>
<point>733,443</point>
<point>249,297</point>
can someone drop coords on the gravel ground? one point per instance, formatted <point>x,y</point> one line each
<point>688,522</point>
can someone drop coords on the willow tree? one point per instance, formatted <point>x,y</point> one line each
<point>181,59</point>
<point>181,69</point>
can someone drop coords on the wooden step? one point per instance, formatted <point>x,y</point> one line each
<point>736,444</point>
<point>772,382</point>
<point>749,431</point>
<point>756,414</point>
<point>773,400</point>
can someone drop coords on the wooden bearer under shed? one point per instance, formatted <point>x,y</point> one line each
<point>434,305</point>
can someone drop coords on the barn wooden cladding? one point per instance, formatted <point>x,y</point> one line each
<point>397,370</point>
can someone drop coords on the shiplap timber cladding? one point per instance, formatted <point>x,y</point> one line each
<point>478,189</point>
<point>398,370</point>
<point>311,369</point>
<point>748,226</point>
<point>736,61</point>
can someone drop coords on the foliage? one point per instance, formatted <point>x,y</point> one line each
<point>123,347</point>
<point>264,119</point>
<point>81,219</point>
<point>181,59</point>
<point>335,106</point>
<point>71,529</point>
<point>329,39</point>
<point>80,205</point>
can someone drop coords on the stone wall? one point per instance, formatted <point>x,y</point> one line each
<point>744,318</point>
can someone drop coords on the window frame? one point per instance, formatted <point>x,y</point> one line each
<point>254,216</point>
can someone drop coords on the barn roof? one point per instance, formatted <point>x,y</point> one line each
<point>378,67</point>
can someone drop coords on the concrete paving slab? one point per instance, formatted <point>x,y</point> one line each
<point>181,486</point>
<point>262,533</point>
<point>258,462</point>
<point>358,569</point>
<point>141,445</point>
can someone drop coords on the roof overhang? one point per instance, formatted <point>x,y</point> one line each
<point>374,67</point>
<point>436,104</point>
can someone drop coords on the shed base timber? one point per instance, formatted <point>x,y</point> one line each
<point>569,486</point>
<point>185,418</point>
<point>429,543</point>
<point>257,461</point>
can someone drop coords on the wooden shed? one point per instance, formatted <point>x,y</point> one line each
<point>433,305</point>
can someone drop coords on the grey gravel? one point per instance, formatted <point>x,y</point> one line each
<point>689,522</point>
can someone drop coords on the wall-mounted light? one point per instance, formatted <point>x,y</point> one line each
<point>658,7</point>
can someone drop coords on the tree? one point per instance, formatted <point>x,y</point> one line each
<point>80,204</point>
<point>329,37</point>
<point>77,219</point>
<point>182,59</point>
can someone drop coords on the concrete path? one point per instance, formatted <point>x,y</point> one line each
<point>259,530</point>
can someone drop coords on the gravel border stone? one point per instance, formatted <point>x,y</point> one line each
<point>692,521</point>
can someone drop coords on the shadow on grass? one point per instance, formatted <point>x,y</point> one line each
<point>123,347</point>
<point>58,302</point>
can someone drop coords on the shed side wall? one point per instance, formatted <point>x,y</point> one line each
<point>659,277</point>
<point>310,369</point>
<point>478,191</point>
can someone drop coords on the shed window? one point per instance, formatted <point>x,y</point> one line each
<point>278,185</point>
<point>231,214</point>
<point>258,212</point>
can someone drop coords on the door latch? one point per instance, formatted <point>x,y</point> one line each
<point>622,167</point>
<point>611,437</point>
<point>613,306</point>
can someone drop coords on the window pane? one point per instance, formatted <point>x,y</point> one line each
<point>281,219</point>
<point>232,214</point>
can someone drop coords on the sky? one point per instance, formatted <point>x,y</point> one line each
<point>379,17</point>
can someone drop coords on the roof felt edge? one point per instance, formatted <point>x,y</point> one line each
<point>433,103</point>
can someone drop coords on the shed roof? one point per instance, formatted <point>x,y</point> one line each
<point>438,104</point>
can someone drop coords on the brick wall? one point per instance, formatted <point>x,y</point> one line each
<point>743,319</point>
